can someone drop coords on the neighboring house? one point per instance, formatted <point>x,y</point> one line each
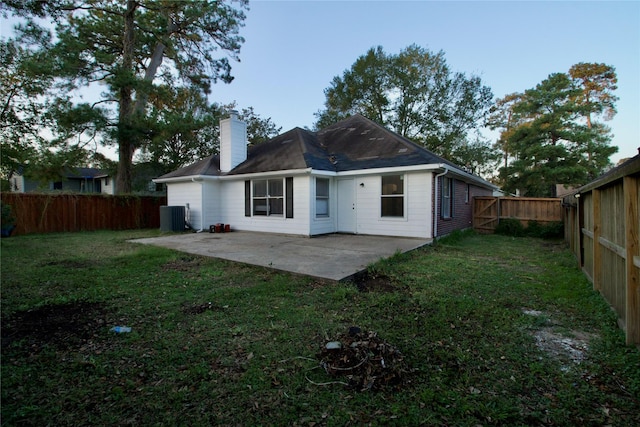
<point>79,180</point>
<point>564,189</point>
<point>352,177</point>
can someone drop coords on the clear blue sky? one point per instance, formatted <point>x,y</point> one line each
<point>293,49</point>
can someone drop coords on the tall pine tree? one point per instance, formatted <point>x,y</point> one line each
<point>550,138</point>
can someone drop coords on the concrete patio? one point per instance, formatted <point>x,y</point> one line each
<point>332,256</point>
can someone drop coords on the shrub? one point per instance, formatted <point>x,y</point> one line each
<point>513,227</point>
<point>510,227</point>
<point>7,215</point>
<point>552,230</point>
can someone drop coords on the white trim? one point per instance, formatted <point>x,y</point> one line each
<point>467,177</point>
<point>287,172</point>
<point>405,215</point>
<point>243,177</point>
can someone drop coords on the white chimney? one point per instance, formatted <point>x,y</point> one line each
<point>233,142</point>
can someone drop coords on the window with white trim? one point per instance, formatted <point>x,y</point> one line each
<point>268,197</point>
<point>392,196</point>
<point>322,198</point>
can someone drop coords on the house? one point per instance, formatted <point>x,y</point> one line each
<point>78,180</point>
<point>352,177</point>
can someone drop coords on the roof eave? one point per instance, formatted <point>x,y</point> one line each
<point>187,178</point>
<point>289,172</point>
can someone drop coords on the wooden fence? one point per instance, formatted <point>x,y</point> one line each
<point>488,211</point>
<point>602,224</point>
<point>46,213</point>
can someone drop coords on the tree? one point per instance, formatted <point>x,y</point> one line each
<point>547,138</point>
<point>597,81</point>
<point>22,83</point>
<point>502,116</point>
<point>413,93</point>
<point>134,48</point>
<point>184,128</point>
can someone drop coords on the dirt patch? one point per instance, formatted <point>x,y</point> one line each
<point>184,264</point>
<point>569,347</point>
<point>71,263</point>
<point>555,245</point>
<point>63,326</point>
<point>199,308</point>
<point>366,282</point>
<point>363,361</point>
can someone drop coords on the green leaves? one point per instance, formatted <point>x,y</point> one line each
<point>123,53</point>
<point>416,94</point>
<point>547,134</point>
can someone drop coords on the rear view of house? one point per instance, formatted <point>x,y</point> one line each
<point>352,177</point>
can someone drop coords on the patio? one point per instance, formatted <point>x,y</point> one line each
<point>332,256</point>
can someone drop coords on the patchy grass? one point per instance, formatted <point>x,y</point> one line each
<point>489,330</point>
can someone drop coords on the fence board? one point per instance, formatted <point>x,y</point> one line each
<point>47,213</point>
<point>488,211</point>
<point>606,240</point>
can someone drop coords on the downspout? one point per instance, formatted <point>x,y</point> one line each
<point>435,211</point>
<point>201,205</point>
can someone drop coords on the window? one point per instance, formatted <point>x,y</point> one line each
<point>268,197</point>
<point>446,210</point>
<point>466,194</point>
<point>106,181</point>
<point>392,198</point>
<point>322,198</point>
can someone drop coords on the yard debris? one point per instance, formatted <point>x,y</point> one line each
<point>121,329</point>
<point>199,308</point>
<point>366,361</point>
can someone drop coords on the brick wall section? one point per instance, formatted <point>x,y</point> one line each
<point>462,211</point>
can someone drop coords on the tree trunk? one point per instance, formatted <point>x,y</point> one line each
<point>126,134</point>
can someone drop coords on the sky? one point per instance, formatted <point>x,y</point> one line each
<point>293,49</point>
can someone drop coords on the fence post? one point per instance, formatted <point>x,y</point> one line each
<point>632,321</point>
<point>597,231</point>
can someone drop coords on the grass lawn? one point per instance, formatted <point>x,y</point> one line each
<point>483,330</point>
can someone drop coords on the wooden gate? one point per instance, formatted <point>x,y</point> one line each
<point>486,213</point>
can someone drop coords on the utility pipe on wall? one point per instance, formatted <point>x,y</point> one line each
<point>435,211</point>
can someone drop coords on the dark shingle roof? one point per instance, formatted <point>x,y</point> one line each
<point>359,143</point>
<point>207,166</point>
<point>84,173</point>
<point>353,144</point>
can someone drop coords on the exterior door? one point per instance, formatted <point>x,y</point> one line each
<point>347,205</point>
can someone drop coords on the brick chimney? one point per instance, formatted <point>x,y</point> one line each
<point>233,142</point>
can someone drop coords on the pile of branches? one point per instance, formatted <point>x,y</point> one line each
<point>366,361</point>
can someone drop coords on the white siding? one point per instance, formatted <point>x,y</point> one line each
<point>233,142</point>
<point>18,184</point>
<point>417,221</point>
<point>181,193</point>
<point>320,225</point>
<point>223,201</point>
<point>232,209</point>
<point>211,204</point>
<point>107,186</point>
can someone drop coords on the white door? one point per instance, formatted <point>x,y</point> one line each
<point>347,205</point>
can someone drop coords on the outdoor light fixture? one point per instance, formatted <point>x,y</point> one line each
<point>362,184</point>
